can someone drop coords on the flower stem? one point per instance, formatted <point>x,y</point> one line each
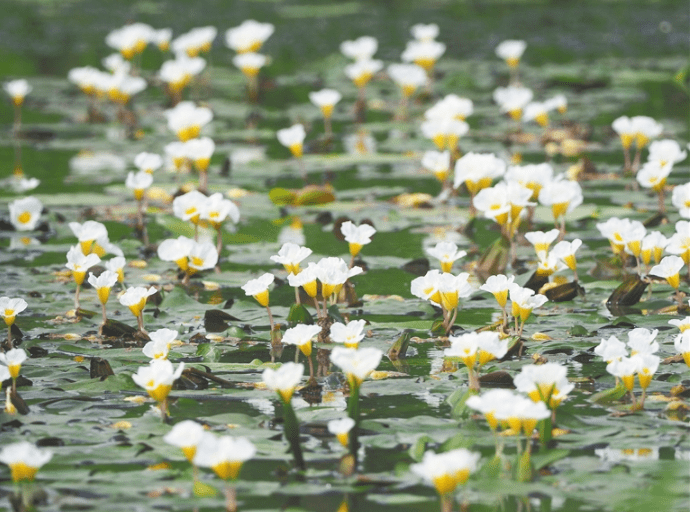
<point>353,412</point>
<point>292,434</point>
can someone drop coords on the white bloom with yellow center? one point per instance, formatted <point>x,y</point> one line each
<point>538,112</point>
<point>325,99</point>
<point>494,203</point>
<point>625,129</point>
<point>511,51</point>
<point>444,132</point>
<point>512,100</point>
<point>611,349</point>
<point>357,364</point>
<point>542,240</point>
<point>10,308</point>
<point>426,287</point>
<point>217,209</point>
<point>79,264</point>
<point>130,39</point>
<point>148,162</point>
<point>463,347</point>
<point>667,152</point>
<point>669,269</point>
<point>565,252</point>
<point>189,206</point>
<point>249,63</point>
<point>199,151</point>
<point>361,71</point>
<point>224,455</point>
<point>186,435</point>
<point>438,163</point>
<point>333,272</point>
<point>349,334</point>
<point>682,343</point>
<point>103,283</point>
<point>292,138</point>
<point>562,195</point>
<point>138,182</point>
<point>625,369</point>
<point>87,233</point>
<point>357,236</point>
<point>679,243</point>
<point>423,53</point>
<point>135,298</point>
<point>160,342</point>
<point>117,265</point>
<point>307,279</point>
<point>290,256</point>
<point>258,288</point>
<point>157,378</point>
<point>341,429</point>
<point>547,383</point>
<point>446,253</point>
<point>445,471</point>
<point>522,414</point>
<point>24,460</point>
<point>301,336</point>
<point>17,90</point>
<point>25,213</point>
<point>116,63</point>
<point>197,40</point>
<point>13,359</point>
<point>477,171</point>
<point>186,119</point>
<point>408,77</point>
<point>498,285</point>
<point>122,87</point>
<point>249,36</point>
<point>647,365</point>
<point>558,102</point>
<point>532,176</point>
<point>642,341</point>
<point>524,301</point>
<point>680,198</point>
<point>161,38</point>
<point>489,402</point>
<point>645,129</point>
<point>362,48</point>
<point>653,175</point>
<point>284,380</point>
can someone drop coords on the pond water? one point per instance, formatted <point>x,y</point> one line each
<point>609,59</point>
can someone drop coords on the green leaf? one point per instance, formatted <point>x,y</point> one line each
<point>209,352</point>
<point>418,448</point>
<point>282,196</point>
<point>609,395</point>
<point>299,315</point>
<point>175,298</point>
<point>541,460</point>
<point>202,490</point>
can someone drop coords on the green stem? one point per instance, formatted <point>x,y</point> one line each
<point>353,412</point>
<point>292,434</point>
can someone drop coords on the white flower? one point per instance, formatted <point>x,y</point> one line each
<point>10,308</point>
<point>189,206</point>
<point>667,152</point>
<point>200,151</point>
<point>284,380</point>
<point>290,256</point>
<point>538,112</point>
<point>422,32</point>
<point>87,233</point>
<point>186,119</point>
<point>512,100</point>
<point>682,345</point>
<point>177,250</point>
<point>292,138</point>
<point>135,298</point>
<point>116,63</point>
<point>325,99</point>
<point>224,455</point>
<point>350,334</point>
<point>510,51</point>
<point>423,53</point>
<point>138,182</point>
<point>407,76</point>
<point>489,402</point>
<point>157,378</point>
<point>647,365</point>
<point>117,265</point>
<point>450,107</point>
<point>249,36</point>
<point>541,241</point>
<point>249,63</point>
<point>477,171</point>
<point>625,369</point>
<point>653,175</point>
<point>357,364</point>
<point>17,90</point>
<point>357,236</point>
<point>148,162</point>
<point>341,428</point>
<point>301,336</point>
<point>186,435</point>
<point>498,285</point>
<point>547,383</point>
<point>446,470</point>
<point>562,195</point>
<point>445,131</point>
<point>669,269</point>
<point>161,38</point>
<point>361,71</point>
<point>13,359</point>
<point>624,128</point>
<point>103,283</point>
<point>306,279</point>
<point>202,256</point>
<point>446,253</point>
<point>25,213</point>
<point>130,39</point>
<point>362,48</point>
<point>532,176</point>
<point>438,163</point>
<point>565,252</point>
<point>79,264</point>
<point>645,128</point>
<point>160,342</point>
<point>611,349</point>
<point>681,199</point>
<point>642,341</point>
<point>24,460</point>
<point>524,301</point>
<point>333,272</point>
<point>197,40</point>
<point>258,288</point>
<point>558,102</point>
<point>682,324</point>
